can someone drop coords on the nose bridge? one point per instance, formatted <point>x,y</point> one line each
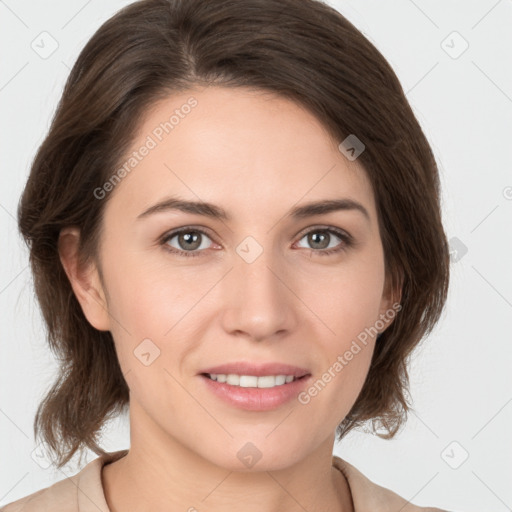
<point>257,301</point>
<point>255,272</point>
<point>258,275</point>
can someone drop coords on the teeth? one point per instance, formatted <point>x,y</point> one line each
<point>251,381</point>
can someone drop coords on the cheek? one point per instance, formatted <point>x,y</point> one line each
<point>345,370</point>
<point>142,297</point>
<point>148,301</point>
<point>137,302</point>
<point>350,308</point>
<point>349,300</point>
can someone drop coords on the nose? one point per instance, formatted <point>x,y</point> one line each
<point>258,300</point>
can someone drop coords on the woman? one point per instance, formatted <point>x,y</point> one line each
<point>235,234</point>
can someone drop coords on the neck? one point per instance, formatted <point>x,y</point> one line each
<point>160,473</point>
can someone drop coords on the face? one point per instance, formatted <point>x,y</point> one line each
<point>258,285</point>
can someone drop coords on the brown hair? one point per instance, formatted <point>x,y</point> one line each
<point>303,50</point>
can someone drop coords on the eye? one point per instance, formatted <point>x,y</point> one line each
<point>320,239</point>
<point>189,241</point>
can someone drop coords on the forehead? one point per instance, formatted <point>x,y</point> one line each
<point>243,148</point>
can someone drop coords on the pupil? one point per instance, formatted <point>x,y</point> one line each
<point>188,238</point>
<point>313,240</point>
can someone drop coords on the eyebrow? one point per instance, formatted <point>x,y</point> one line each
<point>216,212</point>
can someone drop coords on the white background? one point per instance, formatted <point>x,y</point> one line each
<point>460,377</point>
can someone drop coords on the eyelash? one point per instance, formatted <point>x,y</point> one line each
<point>347,241</point>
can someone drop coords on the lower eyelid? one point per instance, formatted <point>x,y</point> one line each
<point>346,241</point>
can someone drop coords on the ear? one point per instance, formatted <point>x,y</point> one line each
<point>85,281</point>
<point>391,297</point>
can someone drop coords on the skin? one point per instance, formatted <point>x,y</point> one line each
<point>257,156</point>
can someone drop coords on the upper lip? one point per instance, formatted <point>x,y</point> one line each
<point>258,370</point>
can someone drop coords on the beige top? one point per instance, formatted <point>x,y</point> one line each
<point>83,492</point>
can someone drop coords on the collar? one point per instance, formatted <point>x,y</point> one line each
<point>366,495</point>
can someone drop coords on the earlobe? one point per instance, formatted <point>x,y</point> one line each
<point>84,280</point>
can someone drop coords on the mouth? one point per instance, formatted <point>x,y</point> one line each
<point>256,393</point>
<point>245,374</point>
<point>254,381</point>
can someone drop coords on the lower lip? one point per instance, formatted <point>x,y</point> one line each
<point>256,399</point>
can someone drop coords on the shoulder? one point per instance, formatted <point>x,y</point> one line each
<point>81,492</point>
<point>367,495</point>
<point>58,497</point>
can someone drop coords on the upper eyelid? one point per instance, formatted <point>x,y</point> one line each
<point>319,227</point>
<point>324,227</point>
